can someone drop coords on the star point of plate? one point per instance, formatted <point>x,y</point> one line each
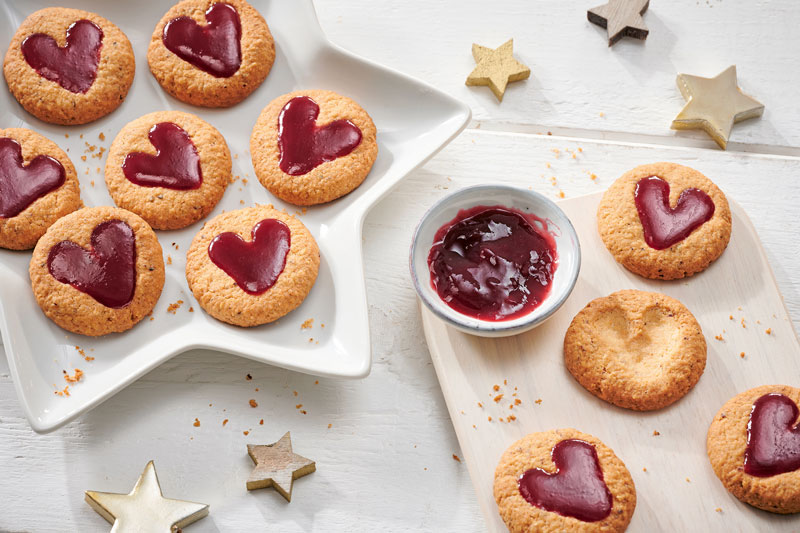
<point>496,68</point>
<point>714,105</point>
<point>145,508</point>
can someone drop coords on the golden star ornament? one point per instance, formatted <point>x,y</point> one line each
<point>145,509</point>
<point>621,18</point>
<point>496,68</point>
<point>277,466</point>
<point>714,105</point>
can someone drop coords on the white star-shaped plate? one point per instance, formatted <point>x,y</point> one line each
<point>414,121</point>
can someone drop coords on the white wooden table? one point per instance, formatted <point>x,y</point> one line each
<point>384,445</point>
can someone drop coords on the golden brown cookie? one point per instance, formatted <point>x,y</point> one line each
<point>38,185</point>
<point>171,168</point>
<point>67,66</point>
<point>635,349</point>
<point>98,270</point>
<point>252,266</point>
<point>563,480</point>
<point>754,447</point>
<point>311,147</point>
<point>664,221</point>
<point>209,53</point>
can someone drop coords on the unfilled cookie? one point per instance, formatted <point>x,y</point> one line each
<point>38,185</point>
<point>67,66</point>
<point>311,147</point>
<point>664,221</point>
<point>754,447</point>
<point>252,266</point>
<point>563,480</point>
<point>638,350</point>
<point>169,167</point>
<point>98,270</point>
<point>209,53</point>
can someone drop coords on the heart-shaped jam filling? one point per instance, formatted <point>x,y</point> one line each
<point>74,67</point>
<point>773,438</point>
<point>492,263</point>
<point>304,145</point>
<point>214,48</point>
<point>664,226</point>
<point>576,489</point>
<point>21,185</point>
<point>107,272</point>
<point>176,164</point>
<point>255,265</point>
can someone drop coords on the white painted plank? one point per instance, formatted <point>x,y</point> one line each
<point>369,474</point>
<point>575,76</point>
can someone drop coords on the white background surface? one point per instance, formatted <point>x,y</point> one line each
<point>386,463</point>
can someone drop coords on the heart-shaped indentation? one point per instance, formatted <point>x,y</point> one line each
<point>254,265</point>
<point>176,164</point>
<point>304,145</point>
<point>74,67</point>
<point>107,272</point>
<point>577,487</point>
<point>664,226</point>
<point>214,48</point>
<point>21,185</point>
<point>773,438</point>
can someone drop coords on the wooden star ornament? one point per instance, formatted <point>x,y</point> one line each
<point>277,466</point>
<point>621,18</point>
<point>496,68</point>
<point>714,105</point>
<point>145,508</point>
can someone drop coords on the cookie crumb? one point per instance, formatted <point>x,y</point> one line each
<point>76,377</point>
<point>173,307</point>
<point>308,324</point>
<point>768,331</point>
<point>644,469</point>
<point>196,423</point>
<point>538,402</point>
<point>496,388</point>
<point>224,422</point>
<point>261,422</point>
<point>253,403</point>
<point>656,433</point>
<point>248,377</point>
<point>498,398</point>
<point>490,419</point>
<point>455,457</point>
<point>246,432</point>
<point>719,337</point>
<point>718,510</point>
<point>741,355</point>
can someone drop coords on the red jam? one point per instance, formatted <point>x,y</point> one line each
<point>21,185</point>
<point>255,265</point>
<point>107,272</point>
<point>74,67</point>
<point>773,437</point>
<point>176,164</point>
<point>664,226</point>
<point>303,145</point>
<point>576,489</point>
<point>493,263</point>
<point>214,48</point>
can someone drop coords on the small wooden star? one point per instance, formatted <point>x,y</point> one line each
<point>714,105</point>
<point>277,466</point>
<point>145,508</point>
<point>621,18</point>
<point>496,68</point>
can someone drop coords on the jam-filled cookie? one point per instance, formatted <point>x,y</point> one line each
<point>664,221</point>
<point>563,480</point>
<point>638,350</point>
<point>67,66</point>
<point>211,53</point>
<point>38,185</point>
<point>169,167</point>
<point>98,270</point>
<point>754,447</point>
<point>252,266</point>
<point>311,147</point>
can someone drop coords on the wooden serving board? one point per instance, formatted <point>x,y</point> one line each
<point>676,487</point>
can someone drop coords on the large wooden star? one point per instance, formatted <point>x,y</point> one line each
<point>496,68</point>
<point>621,18</point>
<point>277,466</point>
<point>145,508</point>
<point>714,105</point>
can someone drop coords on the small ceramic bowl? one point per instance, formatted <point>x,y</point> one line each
<point>568,249</point>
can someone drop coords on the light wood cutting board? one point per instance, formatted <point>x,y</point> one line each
<point>678,491</point>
